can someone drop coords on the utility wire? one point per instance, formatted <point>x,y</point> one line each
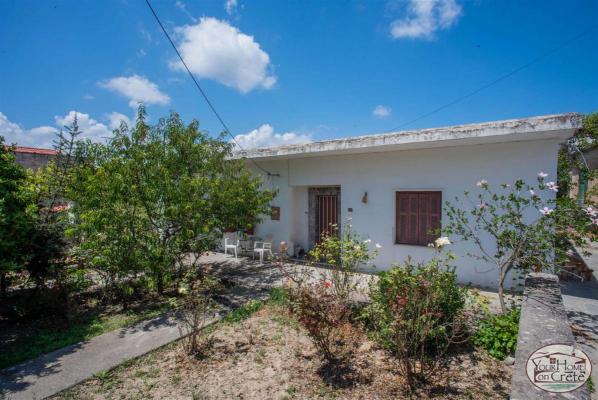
<point>499,79</point>
<point>204,95</point>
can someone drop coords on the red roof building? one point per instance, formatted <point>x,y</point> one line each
<point>34,158</point>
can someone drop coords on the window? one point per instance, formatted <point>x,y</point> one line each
<point>418,217</point>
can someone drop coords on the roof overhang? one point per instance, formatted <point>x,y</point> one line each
<point>561,126</point>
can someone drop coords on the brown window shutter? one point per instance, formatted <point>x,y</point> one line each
<point>418,216</point>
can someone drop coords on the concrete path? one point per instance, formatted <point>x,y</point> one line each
<point>51,373</point>
<point>591,260</point>
<point>581,304</point>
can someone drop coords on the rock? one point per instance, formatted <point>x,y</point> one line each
<point>509,361</point>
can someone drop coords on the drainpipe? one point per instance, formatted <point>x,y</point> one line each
<point>583,187</point>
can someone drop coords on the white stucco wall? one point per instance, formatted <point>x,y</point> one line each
<point>451,170</point>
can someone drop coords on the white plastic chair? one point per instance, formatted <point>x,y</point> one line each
<point>261,248</point>
<point>233,246</point>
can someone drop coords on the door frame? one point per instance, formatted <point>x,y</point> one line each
<point>313,193</point>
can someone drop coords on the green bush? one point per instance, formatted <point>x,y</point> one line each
<point>498,334</point>
<point>245,311</point>
<point>279,297</point>
<point>417,312</point>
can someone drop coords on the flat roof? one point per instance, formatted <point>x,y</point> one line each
<point>561,126</point>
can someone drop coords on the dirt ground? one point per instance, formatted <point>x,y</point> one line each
<point>268,356</point>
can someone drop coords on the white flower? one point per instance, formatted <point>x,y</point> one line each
<point>532,192</point>
<point>367,241</point>
<point>542,174</point>
<point>378,246</point>
<point>546,211</point>
<point>591,212</point>
<point>442,241</point>
<point>482,183</point>
<point>552,186</point>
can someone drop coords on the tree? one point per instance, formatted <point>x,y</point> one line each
<point>571,156</point>
<point>519,227</point>
<point>154,195</point>
<point>47,246</point>
<point>17,211</point>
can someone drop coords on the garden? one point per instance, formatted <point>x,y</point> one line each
<point>112,234</point>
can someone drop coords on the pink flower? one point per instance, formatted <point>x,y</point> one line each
<point>546,211</point>
<point>401,300</point>
<point>591,212</point>
<point>482,205</point>
<point>542,174</point>
<point>327,283</point>
<point>552,186</point>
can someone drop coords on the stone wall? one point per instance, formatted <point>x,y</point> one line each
<point>543,322</point>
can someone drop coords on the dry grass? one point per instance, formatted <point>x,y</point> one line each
<point>268,356</point>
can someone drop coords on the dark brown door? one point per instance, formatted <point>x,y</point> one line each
<point>327,215</point>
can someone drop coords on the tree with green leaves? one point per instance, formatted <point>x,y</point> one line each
<point>154,198</point>
<point>519,227</point>
<point>47,246</point>
<point>572,158</point>
<point>17,211</point>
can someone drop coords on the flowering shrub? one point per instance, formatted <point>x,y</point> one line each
<point>322,313</point>
<point>344,253</point>
<point>416,312</point>
<point>527,228</point>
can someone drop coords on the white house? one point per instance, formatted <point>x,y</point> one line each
<point>393,185</point>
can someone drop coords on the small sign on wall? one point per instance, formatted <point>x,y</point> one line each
<point>275,214</point>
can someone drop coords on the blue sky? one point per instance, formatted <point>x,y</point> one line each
<point>287,71</point>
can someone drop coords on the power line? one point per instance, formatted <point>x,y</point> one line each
<point>204,95</point>
<point>499,79</point>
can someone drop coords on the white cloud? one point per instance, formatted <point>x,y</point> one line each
<point>213,49</point>
<point>91,128</point>
<point>425,17</point>
<point>264,136</point>
<point>230,6</point>
<point>381,111</point>
<point>43,136</point>
<point>138,89</point>
<point>8,128</point>
<point>115,119</point>
<point>14,133</point>
<point>183,7</point>
<point>145,34</point>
